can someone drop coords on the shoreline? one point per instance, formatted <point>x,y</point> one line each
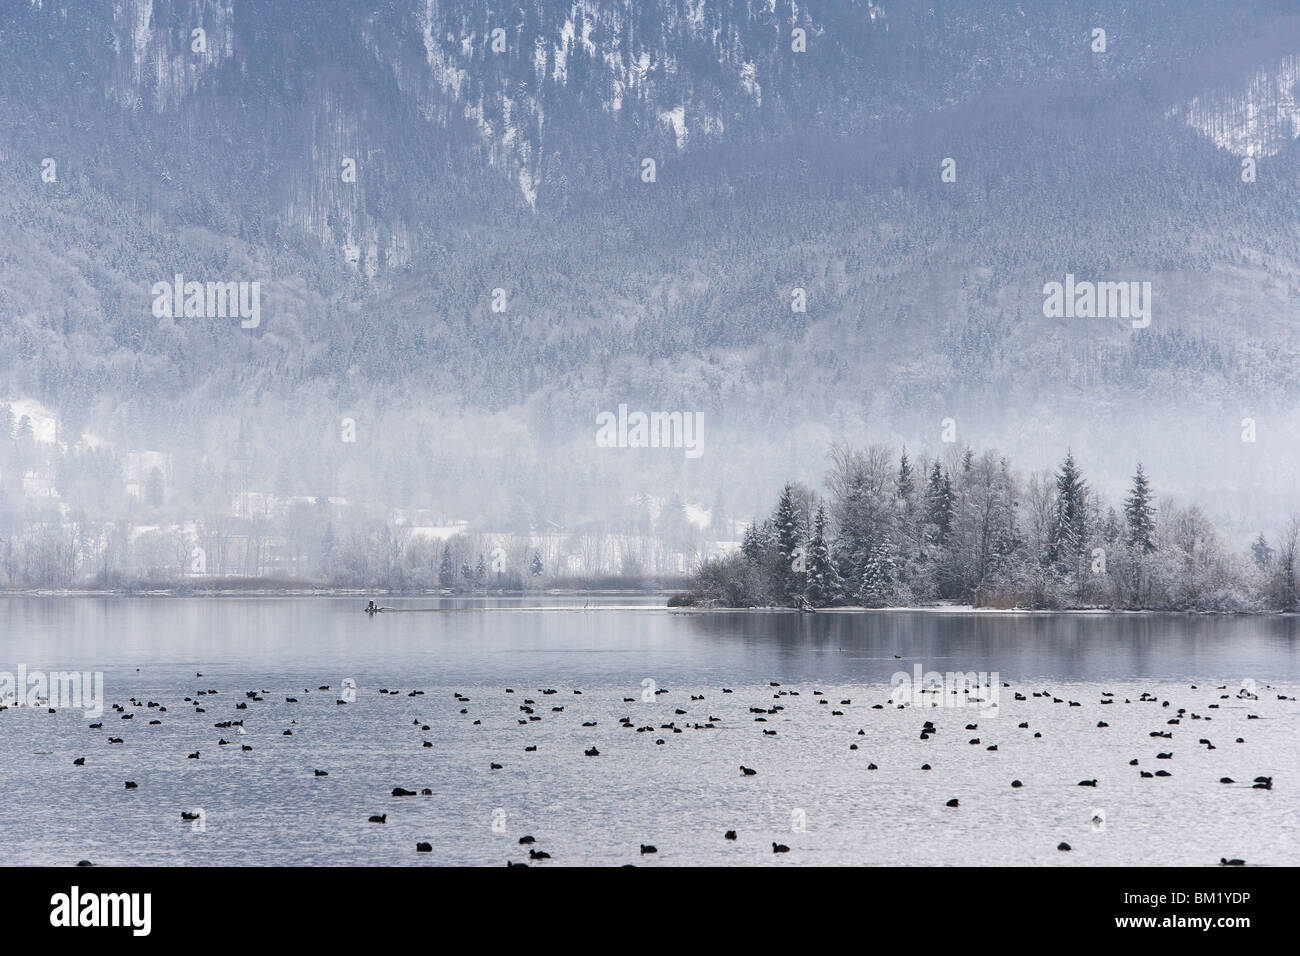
<point>272,591</point>
<point>971,609</point>
<point>362,593</point>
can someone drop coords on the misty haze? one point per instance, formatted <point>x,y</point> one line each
<point>478,230</point>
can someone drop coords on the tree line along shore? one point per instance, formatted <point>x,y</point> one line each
<point>971,530</point>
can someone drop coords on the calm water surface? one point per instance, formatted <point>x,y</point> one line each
<point>812,792</point>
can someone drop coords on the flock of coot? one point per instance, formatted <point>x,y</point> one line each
<point>1167,722</point>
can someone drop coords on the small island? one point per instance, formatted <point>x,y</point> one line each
<point>966,528</point>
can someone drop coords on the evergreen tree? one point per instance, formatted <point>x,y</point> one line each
<point>446,570</point>
<point>1139,514</point>
<point>1111,529</point>
<point>535,567</point>
<point>824,584</point>
<point>939,502</point>
<point>480,571</point>
<point>879,577</point>
<point>789,580</point>
<point>1069,531</point>
<point>1261,553</point>
<point>856,530</point>
<point>759,544</point>
<point>759,549</point>
<point>905,486</point>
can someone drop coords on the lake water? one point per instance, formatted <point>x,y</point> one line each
<point>811,791</point>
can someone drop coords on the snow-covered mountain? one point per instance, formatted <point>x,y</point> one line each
<point>476,226</point>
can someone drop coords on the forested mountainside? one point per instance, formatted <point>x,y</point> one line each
<point>390,173</point>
